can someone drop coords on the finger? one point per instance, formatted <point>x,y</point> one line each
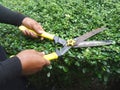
<point>38,28</point>
<point>27,32</point>
<point>41,38</point>
<point>33,35</point>
<point>47,62</point>
<point>23,31</point>
<point>41,53</point>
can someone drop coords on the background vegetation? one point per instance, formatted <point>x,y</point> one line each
<point>83,68</point>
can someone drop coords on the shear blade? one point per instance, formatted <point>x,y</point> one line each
<point>93,43</point>
<point>59,40</point>
<point>63,50</point>
<point>89,34</point>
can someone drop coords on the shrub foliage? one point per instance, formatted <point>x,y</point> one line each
<point>69,19</point>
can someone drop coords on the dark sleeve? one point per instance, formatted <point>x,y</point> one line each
<point>9,17</point>
<point>9,69</point>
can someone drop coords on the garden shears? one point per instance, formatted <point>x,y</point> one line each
<point>71,43</point>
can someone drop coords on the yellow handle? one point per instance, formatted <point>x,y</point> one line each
<point>44,34</point>
<point>52,56</point>
<point>47,35</point>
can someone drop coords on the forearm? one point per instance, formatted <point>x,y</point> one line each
<point>9,17</point>
<point>9,69</point>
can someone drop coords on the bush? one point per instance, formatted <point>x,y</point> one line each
<point>69,19</point>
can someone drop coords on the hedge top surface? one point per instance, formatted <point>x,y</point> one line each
<point>68,19</point>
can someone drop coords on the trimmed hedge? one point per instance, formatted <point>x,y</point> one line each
<point>69,19</point>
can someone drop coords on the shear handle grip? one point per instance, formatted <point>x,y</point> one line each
<point>52,56</point>
<point>44,34</point>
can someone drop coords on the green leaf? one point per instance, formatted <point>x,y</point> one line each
<point>48,74</point>
<point>118,71</point>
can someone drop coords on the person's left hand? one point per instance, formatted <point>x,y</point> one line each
<point>32,24</point>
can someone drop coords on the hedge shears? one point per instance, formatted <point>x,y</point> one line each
<point>71,43</point>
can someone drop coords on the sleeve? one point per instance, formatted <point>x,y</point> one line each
<point>10,17</point>
<point>9,69</point>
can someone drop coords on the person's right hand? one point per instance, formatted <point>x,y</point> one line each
<point>32,61</point>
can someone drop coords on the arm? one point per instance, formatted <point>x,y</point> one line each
<point>24,63</point>
<point>9,69</point>
<point>9,17</point>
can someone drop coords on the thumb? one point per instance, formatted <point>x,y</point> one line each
<point>38,28</point>
<point>47,61</point>
<point>42,53</point>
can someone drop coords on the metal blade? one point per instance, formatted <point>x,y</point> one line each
<point>88,35</point>
<point>64,43</point>
<point>59,40</point>
<point>63,50</point>
<point>93,43</point>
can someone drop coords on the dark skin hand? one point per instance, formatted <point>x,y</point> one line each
<point>32,24</point>
<point>32,61</point>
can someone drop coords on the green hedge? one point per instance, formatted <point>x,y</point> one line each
<point>69,19</point>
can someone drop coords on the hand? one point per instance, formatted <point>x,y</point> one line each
<point>32,24</point>
<point>32,61</point>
